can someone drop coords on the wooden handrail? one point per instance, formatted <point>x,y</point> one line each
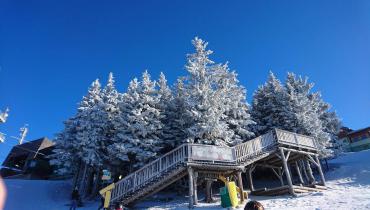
<point>184,153</point>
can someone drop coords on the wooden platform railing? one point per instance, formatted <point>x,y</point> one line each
<point>191,153</point>
<point>254,147</point>
<point>294,139</point>
<point>148,172</point>
<point>208,154</point>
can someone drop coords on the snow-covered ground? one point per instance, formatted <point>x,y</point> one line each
<point>348,183</point>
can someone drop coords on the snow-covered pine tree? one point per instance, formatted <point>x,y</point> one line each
<point>90,135</point>
<point>237,114</point>
<point>64,156</point>
<point>141,126</point>
<point>330,122</point>
<point>301,112</point>
<point>175,124</point>
<point>165,96</point>
<point>79,140</point>
<point>123,148</point>
<point>110,98</point>
<point>267,106</point>
<point>205,108</point>
<point>213,101</point>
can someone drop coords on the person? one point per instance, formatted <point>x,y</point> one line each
<point>253,205</point>
<point>75,198</point>
<point>101,203</point>
<point>118,206</point>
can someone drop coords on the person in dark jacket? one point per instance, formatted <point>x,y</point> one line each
<point>102,200</point>
<point>253,205</point>
<point>75,198</point>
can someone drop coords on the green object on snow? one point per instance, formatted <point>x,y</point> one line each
<point>225,198</point>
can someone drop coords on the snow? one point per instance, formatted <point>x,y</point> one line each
<point>348,184</point>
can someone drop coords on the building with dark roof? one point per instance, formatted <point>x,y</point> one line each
<point>356,140</point>
<point>29,160</point>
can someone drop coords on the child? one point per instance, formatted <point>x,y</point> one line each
<point>253,205</point>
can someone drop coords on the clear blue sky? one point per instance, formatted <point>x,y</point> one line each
<point>50,51</point>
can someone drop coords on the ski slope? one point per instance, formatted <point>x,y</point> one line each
<point>348,183</point>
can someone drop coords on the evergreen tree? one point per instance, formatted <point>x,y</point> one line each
<point>237,115</point>
<point>111,98</point>
<point>141,126</point>
<point>90,126</point>
<point>64,156</point>
<point>214,101</point>
<point>78,141</point>
<point>165,106</point>
<point>204,106</point>
<point>295,108</point>
<point>175,118</point>
<point>267,106</point>
<point>301,113</point>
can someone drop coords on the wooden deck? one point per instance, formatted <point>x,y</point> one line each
<point>278,150</point>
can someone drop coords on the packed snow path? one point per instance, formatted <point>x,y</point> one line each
<point>348,184</point>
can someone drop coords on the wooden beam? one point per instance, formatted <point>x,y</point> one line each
<point>250,179</point>
<point>191,188</point>
<point>240,185</point>
<point>287,174</point>
<point>299,151</point>
<point>310,158</point>
<point>299,172</point>
<point>279,175</point>
<point>195,188</point>
<point>287,156</point>
<point>320,171</point>
<point>311,178</point>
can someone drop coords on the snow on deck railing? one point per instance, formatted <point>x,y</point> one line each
<point>149,171</point>
<point>186,152</point>
<point>254,147</point>
<point>295,139</point>
<point>208,154</point>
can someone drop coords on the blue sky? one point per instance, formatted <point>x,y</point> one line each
<point>50,51</point>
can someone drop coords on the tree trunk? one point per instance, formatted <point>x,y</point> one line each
<point>97,183</point>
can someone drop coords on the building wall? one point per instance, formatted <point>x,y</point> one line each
<point>357,141</point>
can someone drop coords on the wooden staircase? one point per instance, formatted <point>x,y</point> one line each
<point>173,165</point>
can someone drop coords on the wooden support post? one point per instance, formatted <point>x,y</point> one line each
<point>311,178</point>
<point>209,198</point>
<point>250,179</point>
<point>299,173</point>
<point>320,171</point>
<point>281,177</point>
<point>191,188</point>
<point>240,185</point>
<point>304,171</point>
<point>287,174</point>
<point>195,188</point>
